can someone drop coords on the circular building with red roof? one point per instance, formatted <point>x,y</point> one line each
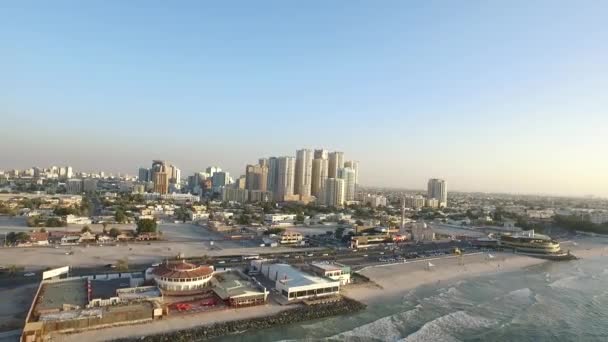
<point>181,276</point>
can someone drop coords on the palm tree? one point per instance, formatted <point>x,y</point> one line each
<point>12,270</point>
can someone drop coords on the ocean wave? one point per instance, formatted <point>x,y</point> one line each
<point>383,329</point>
<point>520,293</point>
<point>443,328</point>
<point>572,282</point>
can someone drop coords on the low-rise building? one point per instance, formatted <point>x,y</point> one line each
<point>422,232</point>
<point>294,284</point>
<point>368,240</point>
<point>279,218</point>
<point>39,238</point>
<point>238,290</point>
<point>335,271</point>
<point>290,237</point>
<point>73,219</point>
<point>181,277</point>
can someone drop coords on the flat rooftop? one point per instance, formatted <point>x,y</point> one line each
<point>106,288</point>
<point>231,284</point>
<point>55,295</point>
<point>327,266</point>
<point>296,278</point>
<point>141,292</point>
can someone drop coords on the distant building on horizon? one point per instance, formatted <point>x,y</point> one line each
<point>256,177</point>
<point>285,178</point>
<point>348,175</point>
<point>160,177</point>
<point>144,175</point>
<point>336,161</point>
<point>319,175</point>
<point>74,186</point>
<point>332,194</point>
<point>303,172</point>
<point>437,188</point>
<point>353,164</point>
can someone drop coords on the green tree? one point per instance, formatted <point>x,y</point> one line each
<point>339,233</point>
<point>114,232</point>
<point>181,214</point>
<point>146,226</point>
<point>55,222</point>
<point>274,231</point>
<point>85,229</point>
<point>244,219</point>
<point>12,270</point>
<point>120,215</point>
<point>65,211</point>
<point>300,218</point>
<point>122,264</point>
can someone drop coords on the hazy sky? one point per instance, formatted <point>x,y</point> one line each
<point>491,95</point>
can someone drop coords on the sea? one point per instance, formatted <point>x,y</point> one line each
<point>553,301</point>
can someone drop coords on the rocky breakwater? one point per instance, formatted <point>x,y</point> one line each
<point>299,314</point>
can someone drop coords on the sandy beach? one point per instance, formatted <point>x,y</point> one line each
<point>396,279</point>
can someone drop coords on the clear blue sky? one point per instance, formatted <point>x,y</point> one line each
<point>493,96</point>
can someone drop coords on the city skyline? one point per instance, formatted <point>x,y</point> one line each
<point>491,97</point>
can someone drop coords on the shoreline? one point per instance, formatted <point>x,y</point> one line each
<point>392,280</point>
<point>290,316</point>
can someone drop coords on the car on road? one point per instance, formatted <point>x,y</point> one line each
<point>110,266</point>
<point>30,274</point>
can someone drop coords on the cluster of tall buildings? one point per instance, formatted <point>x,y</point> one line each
<point>317,175</point>
<point>213,179</point>
<point>165,176</point>
<point>312,175</point>
<point>53,172</point>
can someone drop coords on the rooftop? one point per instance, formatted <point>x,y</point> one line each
<point>54,295</point>
<point>327,266</point>
<point>232,284</point>
<point>294,277</point>
<point>182,269</point>
<point>105,289</point>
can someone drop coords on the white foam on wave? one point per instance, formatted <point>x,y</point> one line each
<point>520,293</point>
<point>446,296</point>
<point>573,282</point>
<point>383,329</point>
<point>517,297</point>
<point>443,328</point>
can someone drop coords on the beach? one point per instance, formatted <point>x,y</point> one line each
<point>388,283</point>
<point>395,279</point>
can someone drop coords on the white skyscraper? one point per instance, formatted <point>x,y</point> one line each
<point>333,192</point>
<point>319,175</point>
<point>212,169</point>
<point>336,161</point>
<point>437,188</point>
<point>68,172</point>
<point>348,175</point>
<point>303,172</point>
<point>321,154</point>
<point>285,179</point>
<point>355,166</point>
